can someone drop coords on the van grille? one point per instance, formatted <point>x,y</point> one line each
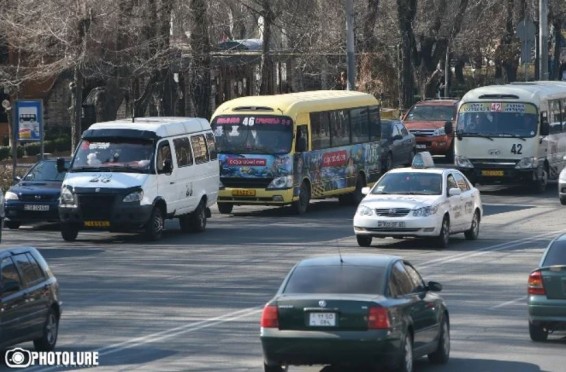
<point>96,206</point>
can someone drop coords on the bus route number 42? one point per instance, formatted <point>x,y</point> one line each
<point>517,148</point>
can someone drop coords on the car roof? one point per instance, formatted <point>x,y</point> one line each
<point>5,251</point>
<point>437,102</point>
<point>380,260</point>
<point>422,170</point>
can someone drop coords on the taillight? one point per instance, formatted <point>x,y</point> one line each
<point>270,317</point>
<point>536,286</point>
<point>378,318</point>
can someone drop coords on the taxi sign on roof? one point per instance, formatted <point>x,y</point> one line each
<point>422,160</point>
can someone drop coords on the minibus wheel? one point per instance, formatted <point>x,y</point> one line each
<point>154,227</point>
<point>69,232</point>
<point>300,206</point>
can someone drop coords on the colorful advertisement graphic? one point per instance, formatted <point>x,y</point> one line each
<point>254,165</point>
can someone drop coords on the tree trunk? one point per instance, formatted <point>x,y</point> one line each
<point>75,109</point>
<point>266,86</point>
<point>406,12</point>
<point>201,60</point>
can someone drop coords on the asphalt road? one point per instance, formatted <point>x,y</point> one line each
<point>191,302</point>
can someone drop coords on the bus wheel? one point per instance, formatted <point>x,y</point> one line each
<point>539,185</point>
<point>225,208</point>
<point>357,196</point>
<point>300,206</point>
<point>69,232</point>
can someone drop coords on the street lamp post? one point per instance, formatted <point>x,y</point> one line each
<point>543,39</point>
<point>14,139</point>
<point>350,45</point>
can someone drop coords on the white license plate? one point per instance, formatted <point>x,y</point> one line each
<point>421,146</point>
<point>36,207</point>
<point>398,224</point>
<point>322,319</point>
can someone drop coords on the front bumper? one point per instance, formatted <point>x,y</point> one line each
<point>500,175</point>
<point>345,347</point>
<point>19,211</point>
<point>412,226</point>
<point>245,196</point>
<point>436,145</point>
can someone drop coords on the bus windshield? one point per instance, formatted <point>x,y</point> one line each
<point>259,134</point>
<point>497,119</point>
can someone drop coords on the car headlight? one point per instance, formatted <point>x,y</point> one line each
<point>526,163</point>
<point>11,196</point>
<point>285,182</point>
<point>462,162</point>
<point>364,211</point>
<point>425,211</point>
<point>133,197</point>
<point>439,132</point>
<point>67,197</point>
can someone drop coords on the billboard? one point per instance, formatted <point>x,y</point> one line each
<point>28,118</point>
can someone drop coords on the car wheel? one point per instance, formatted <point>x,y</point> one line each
<point>474,231</point>
<point>69,232</point>
<point>155,225</point>
<point>12,224</point>
<point>442,352</point>
<point>363,241</point>
<point>48,339</point>
<point>198,218</point>
<point>537,332</point>
<point>444,237</point>
<point>300,206</point>
<point>406,360</point>
<point>225,208</point>
<point>563,201</point>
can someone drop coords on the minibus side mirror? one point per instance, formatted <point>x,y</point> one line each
<point>448,127</point>
<point>61,165</point>
<point>544,124</point>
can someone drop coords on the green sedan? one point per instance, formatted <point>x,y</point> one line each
<point>547,292</point>
<point>355,311</point>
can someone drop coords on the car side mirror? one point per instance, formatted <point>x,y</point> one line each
<point>434,286</point>
<point>167,166</point>
<point>61,165</point>
<point>454,191</point>
<point>448,127</point>
<point>365,190</point>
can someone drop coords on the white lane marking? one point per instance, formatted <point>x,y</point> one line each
<point>522,298</point>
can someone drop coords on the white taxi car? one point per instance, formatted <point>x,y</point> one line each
<point>420,201</point>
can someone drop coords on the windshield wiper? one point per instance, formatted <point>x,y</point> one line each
<point>472,134</point>
<point>513,135</point>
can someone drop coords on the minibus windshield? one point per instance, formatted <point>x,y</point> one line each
<point>259,134</point>
<point>496,119</point>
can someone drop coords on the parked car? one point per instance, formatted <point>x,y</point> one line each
<point>355,311</point>
<point>398,146</point>
<point>29,294</point>
<point>431,121</point>
<point>547,292</point>
<point>562,186</point>
<point>420,201</point>
<point>35,197</point>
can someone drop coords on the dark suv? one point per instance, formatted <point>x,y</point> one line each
<point>30,307</point>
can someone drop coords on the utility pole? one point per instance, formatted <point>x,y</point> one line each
<point>350,44</point>
<point>543,38</point>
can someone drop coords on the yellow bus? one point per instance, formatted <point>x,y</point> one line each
<point>287,149</point>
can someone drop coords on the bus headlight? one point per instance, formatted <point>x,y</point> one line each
<point>527,163</point>
<point>68,198</point>
<point>425,211</point>
<point>364,211</point>
<point>463,162</point>
<point>285,182</point>
<point>133,197</point>
<point>11,196</point>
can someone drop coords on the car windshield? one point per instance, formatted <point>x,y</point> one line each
<point>113,154</point>
<point>409,183</point>
<point>336,279</point>
<point>556,254</point>
<point>430,113</point>
<point>45,170</point>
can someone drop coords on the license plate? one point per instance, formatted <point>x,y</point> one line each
<point>97,223</point>
<point>243,192</point>
<point>492,173</point>
<point>322,319</point>
<point>421,146</point>
<point>390,223</point>
<point>36,207</point>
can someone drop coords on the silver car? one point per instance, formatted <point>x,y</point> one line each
<point>562,187</point>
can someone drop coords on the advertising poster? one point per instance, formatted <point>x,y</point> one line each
<point>29,120</point>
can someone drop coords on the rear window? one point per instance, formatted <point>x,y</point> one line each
<point>336,279</point>
<point>556,254</point>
